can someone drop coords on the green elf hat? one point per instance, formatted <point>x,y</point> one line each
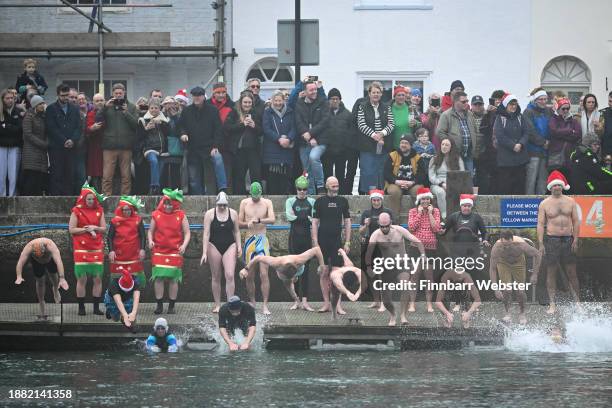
<point>256,189</point>
<point>133,201</point>
<point>86,189</point>
<point>176,194</point>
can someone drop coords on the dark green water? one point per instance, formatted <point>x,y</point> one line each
<point>476,377</point>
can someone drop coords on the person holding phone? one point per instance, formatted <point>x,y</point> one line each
<point>430,119</point>
<point>244,130</point>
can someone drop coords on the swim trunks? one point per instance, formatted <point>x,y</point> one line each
<point>255,245</point>
<point>559,249</point>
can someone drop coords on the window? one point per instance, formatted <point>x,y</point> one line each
<point>393,5</point>
<point>89,2</point>
<point>85,5</point>
<point>272,76</point>
<point>90,86</point>
<point>388,86</point>
<point>568,75</point>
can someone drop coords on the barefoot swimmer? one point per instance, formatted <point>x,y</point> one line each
<point>346,280</point>
<point>509,263</point>
<point>233,315</point>
<point>161,339</point>
<point>390,240</point>
<point>45,258</point>
<point>457,286</point>
<point>288,268</point>
<point>255,212</point>
<point>122,298</point>
<point>558,229</point>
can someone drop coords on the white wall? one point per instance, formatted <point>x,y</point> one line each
<point>578,29</point>
<point>485,44</point>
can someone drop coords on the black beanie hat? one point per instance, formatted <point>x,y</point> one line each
<point>456,84</point>
<point>334,92</point>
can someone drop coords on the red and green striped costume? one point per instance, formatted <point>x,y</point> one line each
<point>88,251</point>
<point>167,239</point>
<point>126,241</point>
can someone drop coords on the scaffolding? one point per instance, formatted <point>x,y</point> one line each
<point>101,52</point>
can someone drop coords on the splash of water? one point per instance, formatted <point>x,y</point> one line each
<point>587,330</point>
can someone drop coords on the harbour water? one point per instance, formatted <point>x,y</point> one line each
<point>530,369</point>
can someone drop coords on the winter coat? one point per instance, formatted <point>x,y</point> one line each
<point>510,129</point>
<point>35,143</point>
<point>240,136</point>
<point>61,126</point>
<point>119,127</point>
<point>38,82</point>
<point>156,139</point>
<point>449,126</point>
<point>366,118</point>
<point>276,124</point>
<point>588,175</point>
<point>438,176</point>
<point>224,107</point>
<point>312,117</point>
<point>606,138</point>
<point>564,136</point>
<point>11,131</point>
<point>203,127</point>
<point>537,120</point>
<point>396,159</point>
<point>341,133</point>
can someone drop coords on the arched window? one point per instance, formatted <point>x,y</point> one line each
<point>569,75</point>
<point>272,76</point>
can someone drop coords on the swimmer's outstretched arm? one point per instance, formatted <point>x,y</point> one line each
<point>265,259</point>
<point>347,261</point>
<point>23,258</point>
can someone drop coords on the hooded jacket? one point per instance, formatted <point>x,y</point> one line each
<point>276,124</point>
<point>510,129</point>
<point>539,133</point>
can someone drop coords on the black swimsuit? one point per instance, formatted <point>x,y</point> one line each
<point>222,233</point>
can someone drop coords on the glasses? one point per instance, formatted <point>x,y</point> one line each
<point>255,86</point>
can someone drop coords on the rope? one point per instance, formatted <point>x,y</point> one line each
<point>24,229</point>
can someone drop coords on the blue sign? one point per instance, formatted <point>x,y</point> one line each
<point>519,212</point>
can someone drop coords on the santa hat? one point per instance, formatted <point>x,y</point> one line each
<point>182,95</point>
<point>557,178</point>
<point>376,194</point>
<point>466,199</point>
<point>507,98</point>
<point>126,282</point>
<point>423,192</point>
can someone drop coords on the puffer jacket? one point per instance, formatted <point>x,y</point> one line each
<point>341,134</point>
<point>35,142</point>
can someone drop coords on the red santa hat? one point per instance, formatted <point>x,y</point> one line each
<point>507,98</point>
<point>182,95</point>
<point>556,178</point>
<point>466,199</point>
<point>376,194</point>
<point>126,282</point>
<point>423,192</point>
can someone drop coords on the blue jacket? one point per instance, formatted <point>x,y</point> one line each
<point>274,126</point>
<point>537,120</point>
<point>62,126</point>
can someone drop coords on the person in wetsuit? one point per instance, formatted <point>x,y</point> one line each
<point>45,258</point>
<point>466,226</point>
<point>221,246</point>
<point>299,211</point>
<point>236,314</point>
<point>331,216</point>
<point>161,339</point>
<point>368,225</point>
